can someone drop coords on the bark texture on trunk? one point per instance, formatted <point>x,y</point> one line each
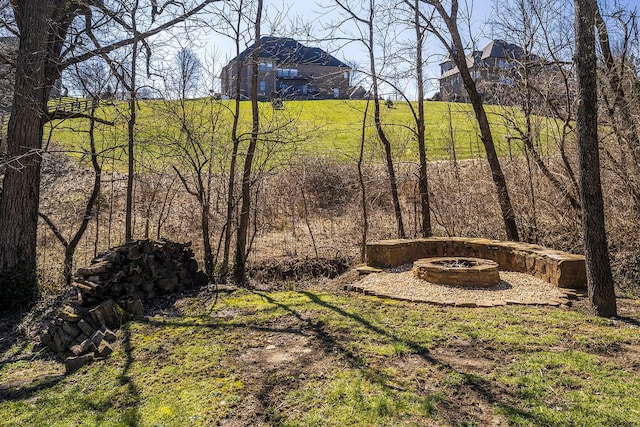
<point>423,182</point>
<point>599,278</point>
<point>21,185</point>
<point>240,268</point>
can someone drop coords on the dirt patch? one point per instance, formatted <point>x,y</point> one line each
<point>274,363</point>
<point>467,357</point>
<point>280,348</point>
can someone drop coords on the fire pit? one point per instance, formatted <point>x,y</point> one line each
<point>467,272</point>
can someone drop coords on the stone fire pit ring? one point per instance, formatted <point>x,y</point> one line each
<point>458,271</point>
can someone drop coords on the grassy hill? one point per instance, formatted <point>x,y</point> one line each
<point>328,127</point>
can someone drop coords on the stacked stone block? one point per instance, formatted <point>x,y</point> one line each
<point>557,267</point>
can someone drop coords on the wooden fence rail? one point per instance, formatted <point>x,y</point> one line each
<point>56,107</point>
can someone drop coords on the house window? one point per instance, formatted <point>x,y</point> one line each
<point>346,75</point>
<point>336,92</point>
<point>305,90</point>
<point>286,72</point>
<point>263,85</point>
<point>265,66</point>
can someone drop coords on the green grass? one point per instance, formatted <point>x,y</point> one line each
<point>320,359</point>
<point>329,127</point>
<point>571,388</point>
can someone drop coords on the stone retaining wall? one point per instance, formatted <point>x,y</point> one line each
<point>557,267</point>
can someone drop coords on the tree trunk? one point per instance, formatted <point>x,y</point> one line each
<point>363,189</point>
<point>224,268</point>
<point>131,127</point>
<point>423,183</point>
<point>240,268</point>
<point>456,49</point>
<point>393,183</point>
<point>21,185</point>
<point>70,250</point>
<point>599,277</point>
<point>206,241</point>
<point>508,214</point>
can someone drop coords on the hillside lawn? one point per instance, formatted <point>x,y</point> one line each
<point>319,128</point>
<point>318,356</point>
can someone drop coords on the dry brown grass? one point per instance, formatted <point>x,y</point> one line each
<point>462,198</point>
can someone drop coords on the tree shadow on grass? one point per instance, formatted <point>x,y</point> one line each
<point>275,381</point>
<point>130,415</point>
<point>630,321</point>
<point>9,334</point>
<point>455,412</point>
<point>14,348</point>
<point>26,392</point>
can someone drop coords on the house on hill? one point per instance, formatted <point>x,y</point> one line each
<point>494,68</point>
<point>288,69</point>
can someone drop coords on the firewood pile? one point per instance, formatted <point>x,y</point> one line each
<point>111,291</point>
<point>139,270</point>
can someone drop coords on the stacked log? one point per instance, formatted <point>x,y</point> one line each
<point>111,291</point>
<point>139,270</point>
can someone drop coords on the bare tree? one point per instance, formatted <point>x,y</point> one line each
<point>456,51</point>
<point>599,278</point>
<point>363,190</point>
<point>70,245</point>
<point>423,183</point>
<point>232,19</point>
<point>90,77</point>
<point>189,73</point>
<point>50,32</point>
<point>366,17</point>
<point>619,78</point>
<point>194,149</point>
<point>240,267</point>
<point>525,83</point>
<point>131,85</point>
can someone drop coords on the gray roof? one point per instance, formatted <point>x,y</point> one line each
<point>502,49</point>
<point>289,51</point>
<point>495,49</point>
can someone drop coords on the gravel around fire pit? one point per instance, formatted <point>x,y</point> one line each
<point>513,288</point>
